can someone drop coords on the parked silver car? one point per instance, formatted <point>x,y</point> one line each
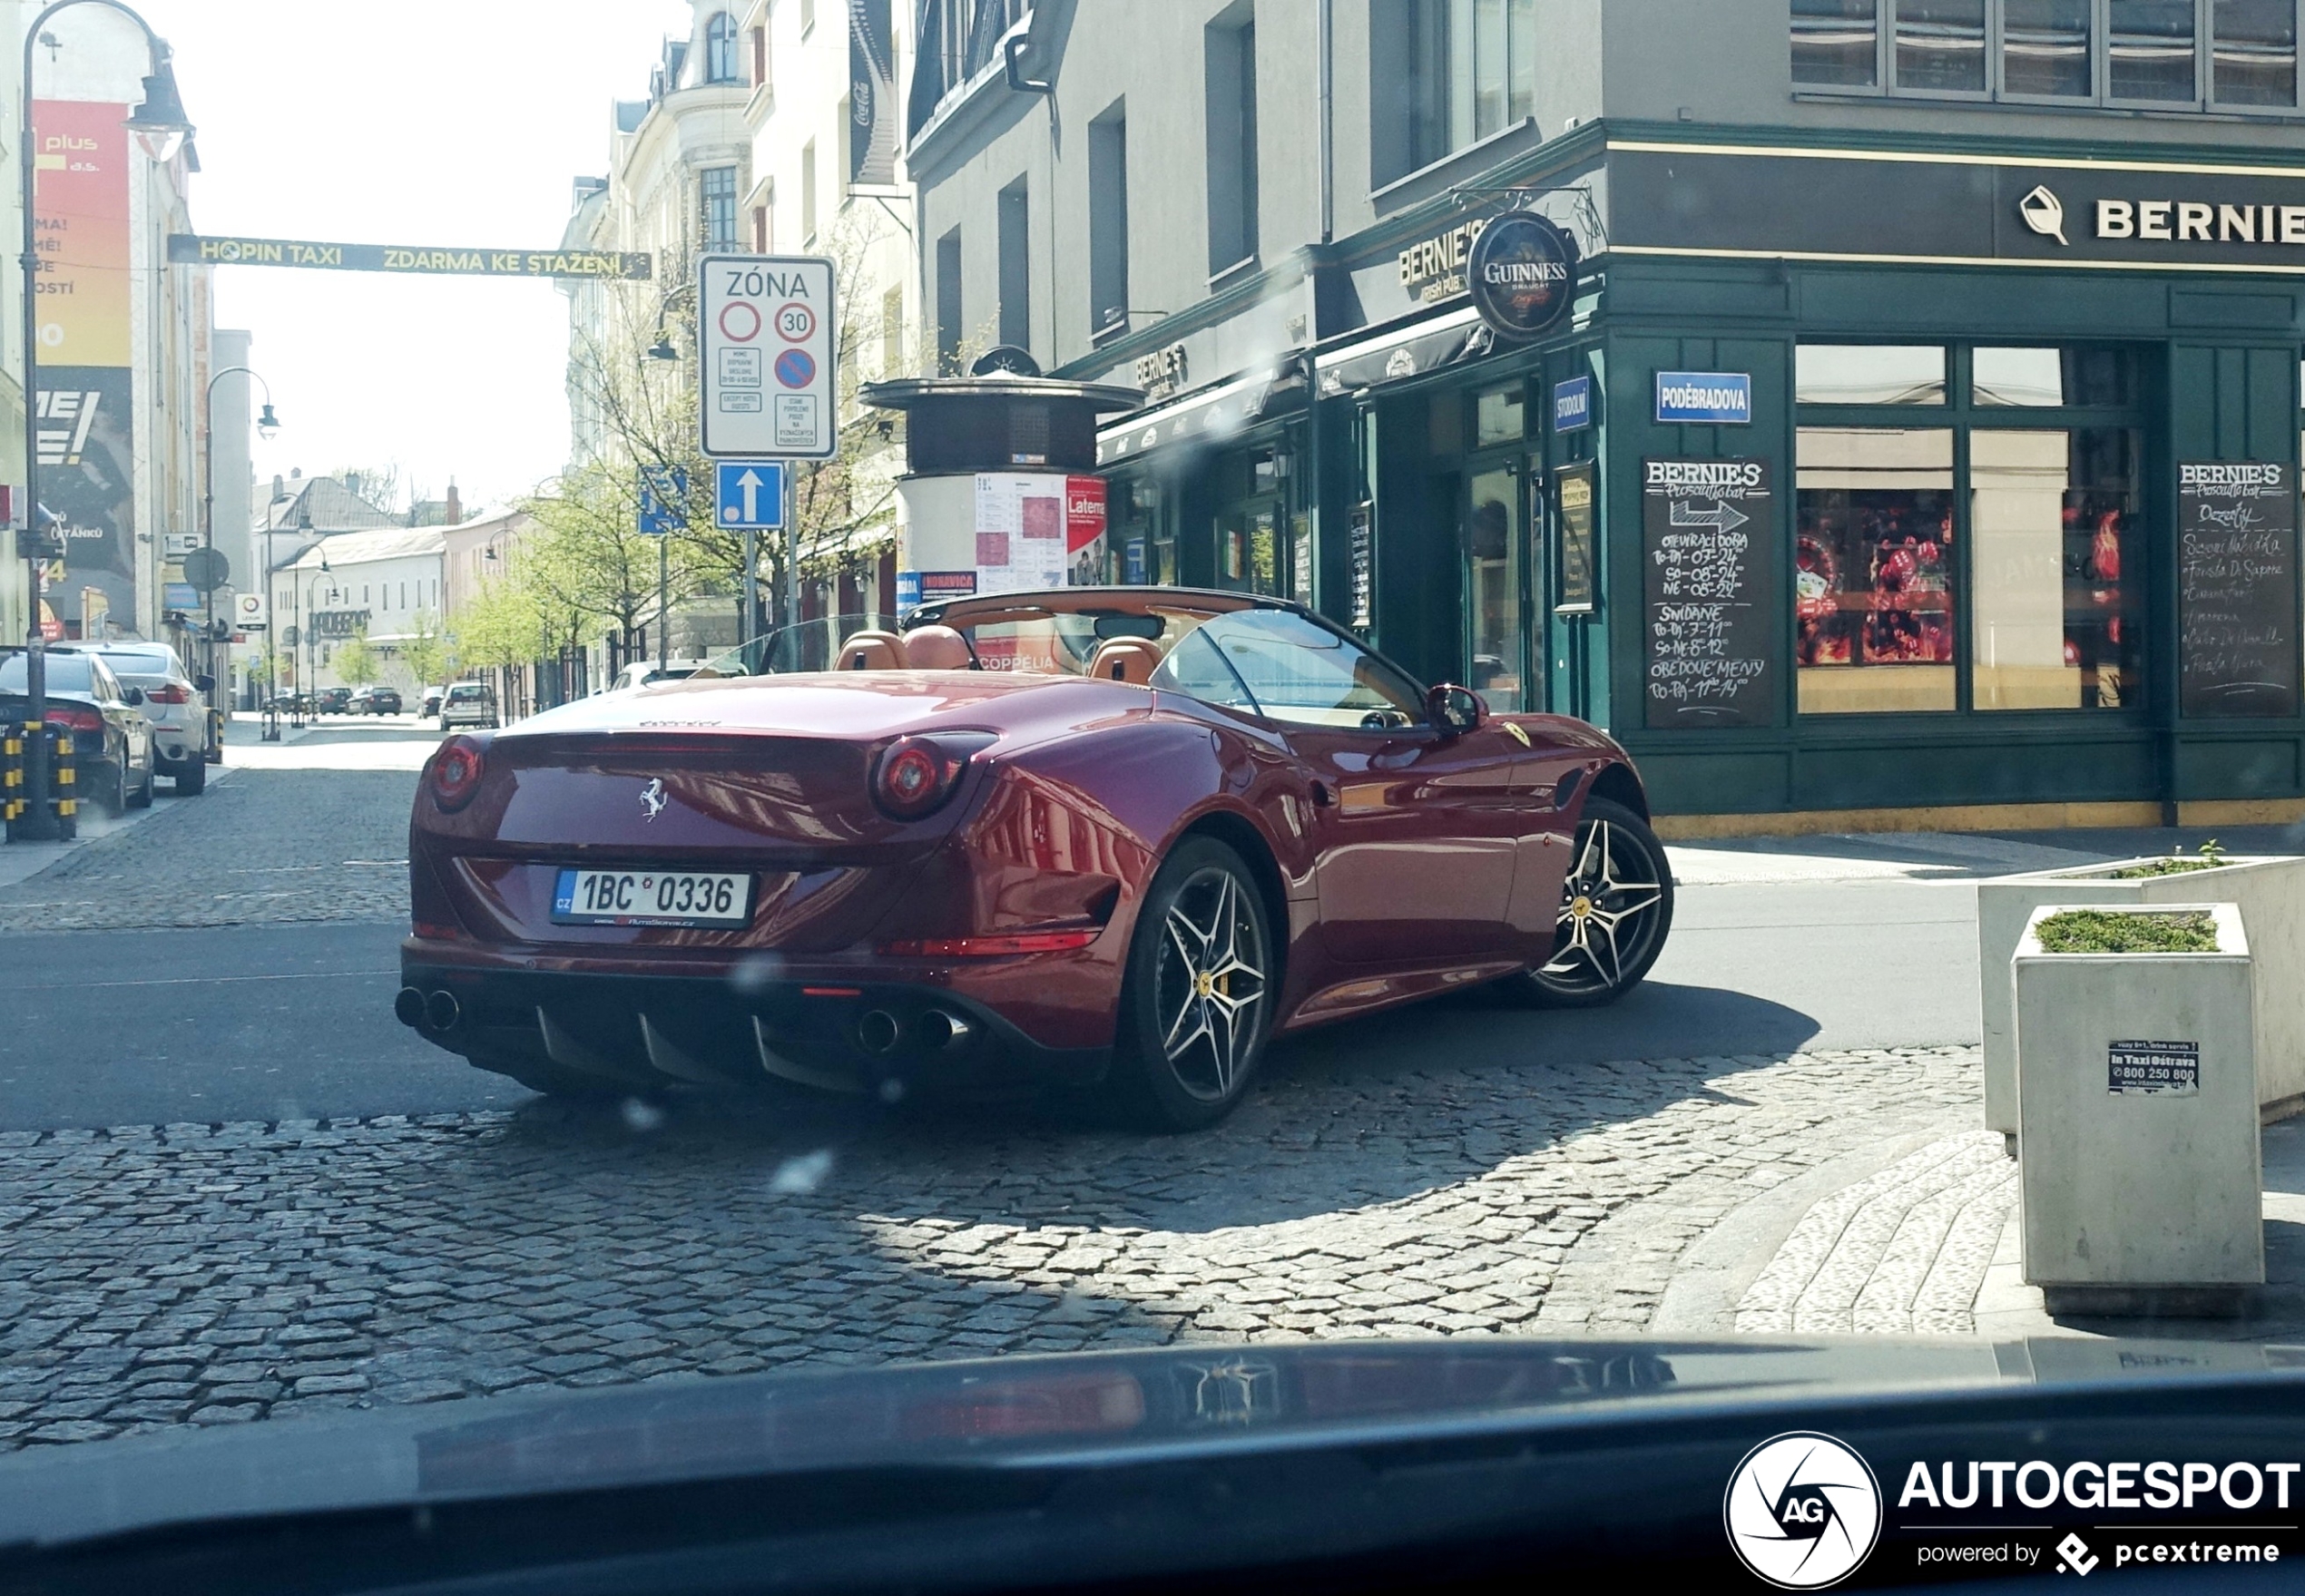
<point>469,703</point>
<point>183,731</point>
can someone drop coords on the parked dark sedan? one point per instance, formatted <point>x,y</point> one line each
<point>373,700</point>
<point>1109,838</point>
<point>336,701</point>
<point>111,736</point>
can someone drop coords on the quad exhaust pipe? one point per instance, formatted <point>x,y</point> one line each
<point>422,1010</point>
<point>944,1032</point>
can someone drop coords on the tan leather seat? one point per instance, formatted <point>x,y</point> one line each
<point>872,650</point>
<point>1124,659</point>
<point>937,647</point>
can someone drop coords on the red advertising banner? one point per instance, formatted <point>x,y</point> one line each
<point>80,172</point>
<point>1084,530</point>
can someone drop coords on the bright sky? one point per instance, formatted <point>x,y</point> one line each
<point>424,122</point>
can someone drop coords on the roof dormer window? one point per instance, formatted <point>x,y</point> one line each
<point>720,50</point>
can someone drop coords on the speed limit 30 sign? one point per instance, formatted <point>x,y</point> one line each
<point>768,353</point>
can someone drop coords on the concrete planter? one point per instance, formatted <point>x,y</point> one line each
<point>2137,1111</point>
<point>2270,894</point>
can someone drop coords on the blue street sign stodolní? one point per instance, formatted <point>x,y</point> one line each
<point>1705,398</point>
<point>749,494</point>
<point>663,500</point>
<point>1573,404</point>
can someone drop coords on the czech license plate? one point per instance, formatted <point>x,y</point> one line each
<point>652,897</point>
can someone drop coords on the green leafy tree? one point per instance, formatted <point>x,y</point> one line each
<point>425,652</point>
<point>356,660</point>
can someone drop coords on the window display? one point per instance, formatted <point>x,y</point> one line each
<point>1873,561</point>
<point>2057,619</point>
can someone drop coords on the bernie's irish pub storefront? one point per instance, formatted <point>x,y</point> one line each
<point>1927,487</point>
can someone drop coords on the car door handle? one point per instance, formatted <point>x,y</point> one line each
<point>1324,796</point>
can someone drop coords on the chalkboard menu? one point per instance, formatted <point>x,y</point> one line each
<point>2236,624</point>
<point>1708,561</point>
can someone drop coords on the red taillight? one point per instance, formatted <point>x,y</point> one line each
<point>916,774</point>
<point>991,947</point>
<point>167,692</point>
<point>76,719</point>
<point>455,772</point>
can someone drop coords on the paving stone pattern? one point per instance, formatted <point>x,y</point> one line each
<point>262,846</point>
<point>215,1274</point>
<point>1904,1251</point>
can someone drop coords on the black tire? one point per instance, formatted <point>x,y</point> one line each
<point>1196,998</point>
<point>143,798</point>
<point>115,797</point>
<point>192,780</point>
<point>542,1075</point>
<point>1616,908</point>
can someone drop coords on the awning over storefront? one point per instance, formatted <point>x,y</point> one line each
<point>1403,353</point>
<point>1209,414</point>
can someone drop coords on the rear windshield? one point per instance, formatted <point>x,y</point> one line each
<point>140,662</point>
<point>67,673</point>
<point>465,695</point>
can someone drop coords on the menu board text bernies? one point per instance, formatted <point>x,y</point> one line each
<point>1708,559</point>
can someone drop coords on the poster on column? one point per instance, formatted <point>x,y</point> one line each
<point>1020,532</point>
<point>2237,627</point>
<point>1084,530</point>
<point>85,406</point>
<point>1708,545</point>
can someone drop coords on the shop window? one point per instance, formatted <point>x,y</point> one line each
<point>1496,416</point>
<point>1940,45</point>
<point>2253,52</point>
<point>1493,589</point>
<point>2150,50</point>
<point>1108,220</point>
<point>2057,601</point>
<point>2044,49</point>
<point>1868,374</point>
<point>1228,49</point>
<point>2199,55</point>
<point>1015,267</point>
<point>2081,378</point>
<point>1873,558</point>
<point>1471,71</point>
<point>1836,43</point>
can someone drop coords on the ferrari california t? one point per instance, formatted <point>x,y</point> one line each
<point>1102,841</point>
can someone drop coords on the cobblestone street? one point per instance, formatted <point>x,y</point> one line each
<point>152,1276</point>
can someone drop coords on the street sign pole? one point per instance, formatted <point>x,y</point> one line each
<point>664,594</point>
<point>769,383</point>
<point>744,627</point>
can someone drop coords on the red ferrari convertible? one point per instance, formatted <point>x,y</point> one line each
<point>1108,840</point>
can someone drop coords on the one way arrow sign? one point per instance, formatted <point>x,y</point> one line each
<point>749,493</point>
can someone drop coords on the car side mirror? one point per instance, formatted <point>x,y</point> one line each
<point>1455,709</point>
<point>206,683</point>
<point>135,697</point>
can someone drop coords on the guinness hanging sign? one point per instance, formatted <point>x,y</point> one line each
<point>1522,274</point>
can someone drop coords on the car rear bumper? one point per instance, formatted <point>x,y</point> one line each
<point>836,1028</point>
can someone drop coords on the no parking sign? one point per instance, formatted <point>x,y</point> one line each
<point>769,378</point>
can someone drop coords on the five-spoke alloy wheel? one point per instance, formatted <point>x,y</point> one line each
<point>1616,906</point>
<point>1197,1002</point>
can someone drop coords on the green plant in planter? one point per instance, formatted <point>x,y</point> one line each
<point>2212,854</point>
<point>2128,931</point>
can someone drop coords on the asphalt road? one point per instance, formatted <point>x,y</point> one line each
<point>271,1022</point>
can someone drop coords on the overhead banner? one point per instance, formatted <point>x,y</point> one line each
<point>84,408</point>
<point>872,96</point>
<point>408,259</point>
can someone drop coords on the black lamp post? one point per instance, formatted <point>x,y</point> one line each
<point>157,124</point>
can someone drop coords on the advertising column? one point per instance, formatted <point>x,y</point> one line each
<point>85,404</point>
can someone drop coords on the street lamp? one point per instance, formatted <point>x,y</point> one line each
<point>158,124</point>
<point>268,424</point>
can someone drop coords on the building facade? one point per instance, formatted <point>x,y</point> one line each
<point>383,588</point>
<point>1917,446</point>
